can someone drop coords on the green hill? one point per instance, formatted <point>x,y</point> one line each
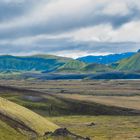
<point>72,66</point>
<point>31,63</point>
<point>96,68</point>
<point>76,66</point>
<point>130,64</point>
<point>14,65</point>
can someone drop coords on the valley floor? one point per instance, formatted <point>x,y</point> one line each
<point>101,110</point>
<point>103,128</point>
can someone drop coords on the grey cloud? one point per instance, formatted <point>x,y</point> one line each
<point>44,46</point>
<point>59,23</point>
<point>106,47</point>
<point>10,9</point>
<point>52,46</point>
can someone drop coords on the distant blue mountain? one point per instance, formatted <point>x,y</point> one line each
<point>107,59</point>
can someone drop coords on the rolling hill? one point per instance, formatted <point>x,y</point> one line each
<point>76,66</point>
<point>31,63</point>
<point>72,66</point>
<point>94,67</point>
<point>12,65</point>
<point>131,64</point>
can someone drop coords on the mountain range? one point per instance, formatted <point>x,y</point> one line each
<point>125,62</point>
<point>107,59</point>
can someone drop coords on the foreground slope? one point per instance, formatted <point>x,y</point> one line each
<point>9,133</point>
<point>15,117</point>
<point>22,118</point>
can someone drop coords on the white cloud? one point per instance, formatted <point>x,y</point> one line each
<point>44,12</point>
<point>116,8</point>
<point>12,1</point>
<point>99,33</point>
<point>129,32</point>
<point>77,53</point>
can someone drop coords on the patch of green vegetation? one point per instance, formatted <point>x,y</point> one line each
<point>104,128</point>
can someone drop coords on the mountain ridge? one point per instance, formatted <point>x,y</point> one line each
<point>106,59</point>
<point>56,64</point>
<point>30,63</point>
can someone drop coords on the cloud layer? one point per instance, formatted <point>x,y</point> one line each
<point>69,28</point>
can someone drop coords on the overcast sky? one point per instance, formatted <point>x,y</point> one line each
<point>69,28</point>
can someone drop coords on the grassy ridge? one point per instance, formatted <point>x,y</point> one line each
<point>24,116</point>
<point>130,64</point>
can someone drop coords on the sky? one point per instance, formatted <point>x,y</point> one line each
<point>71,28</point>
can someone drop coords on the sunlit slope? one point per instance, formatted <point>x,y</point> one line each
<point>130,64</point>
<point>26,117</point>
<point>72,66</point>
<point>9,133</point>
<point>76,66</point>
<point>94,67</point>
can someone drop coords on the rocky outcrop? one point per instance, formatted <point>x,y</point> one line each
<point>64,132</point>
